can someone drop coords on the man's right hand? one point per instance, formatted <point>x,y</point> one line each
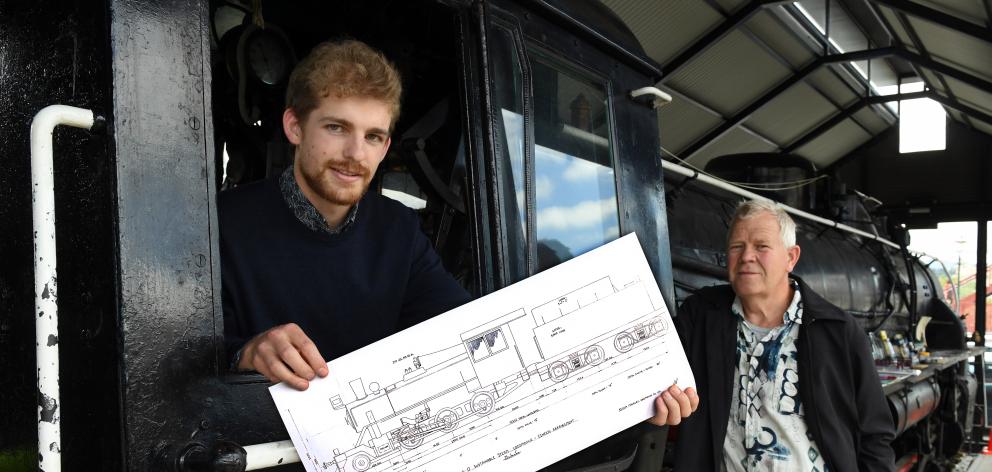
<point>284,354</point>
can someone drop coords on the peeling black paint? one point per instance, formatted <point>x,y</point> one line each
<point>48,407</point>
<point>53,340</point>
<point>45,294</point>
<point>54,447</point>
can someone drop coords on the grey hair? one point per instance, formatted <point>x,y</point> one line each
<point>750,208</point>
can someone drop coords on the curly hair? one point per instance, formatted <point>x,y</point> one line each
<point>344,68</point>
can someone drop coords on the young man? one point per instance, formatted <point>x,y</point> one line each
<point>787,379</point>
<point>313,265</point>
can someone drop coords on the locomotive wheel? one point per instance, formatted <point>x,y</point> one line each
<point>361,462</point>
<point>558,371</point>
<point>447,420</point>
<point>595,355</point>
<point>624,342</point>
<point>409,437</point>
<point>483,404</point>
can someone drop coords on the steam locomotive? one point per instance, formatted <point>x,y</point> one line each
<point>182,100</point>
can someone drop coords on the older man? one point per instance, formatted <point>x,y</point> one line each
<point>786,379</point>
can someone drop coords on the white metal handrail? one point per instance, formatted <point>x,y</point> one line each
<point>45,280</point>
<point>694,174</point>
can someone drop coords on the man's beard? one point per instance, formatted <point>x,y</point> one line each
<point>321,183</point>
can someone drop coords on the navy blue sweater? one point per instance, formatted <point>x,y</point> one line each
<point>345,290</point>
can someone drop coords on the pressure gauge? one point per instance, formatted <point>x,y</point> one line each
<point>267,54</point>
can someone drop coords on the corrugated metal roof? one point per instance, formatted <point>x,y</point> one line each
<point>730,74</point>
<point>872,120</point>
<point>971,10</point>
<point>881,73</point>
<point>682,123</point>
<point>834,144</point>
<point>665,28</point>
<point>731,5</point>
<point>897,28</point>
<point>932,79</point>
<point>735,141</point>
<point>826,81</point>
<point>975,97</point>
<point>952,47</point>
<point>983,127</point>
<point>792,113</point>
<point>754,57</point>
<point>770,31</point>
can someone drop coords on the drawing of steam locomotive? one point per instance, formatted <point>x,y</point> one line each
<point>464,383</point>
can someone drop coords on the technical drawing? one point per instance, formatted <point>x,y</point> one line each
<point>492,379</point>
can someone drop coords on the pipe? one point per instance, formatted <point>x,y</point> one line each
<point>692,174</point>
<point>263,456</point>
<point>45,281</point>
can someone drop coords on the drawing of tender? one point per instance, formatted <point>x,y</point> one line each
<point>463,384</point>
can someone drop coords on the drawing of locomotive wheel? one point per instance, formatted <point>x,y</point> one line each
<point>595,355</point>
<point>409,437</point>
<point>447,420</point>
<point>624,342</point>
<point>361,462</point>
<point>483,403</point>
<point>558,371</point>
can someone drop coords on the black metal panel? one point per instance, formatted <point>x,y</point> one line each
<point>168,265</point>
<point>56,52</point>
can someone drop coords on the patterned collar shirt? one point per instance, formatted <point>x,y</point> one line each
<point>766,430</point>
<point>305,211</point>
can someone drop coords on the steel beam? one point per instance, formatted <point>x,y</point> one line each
<point>939,17</point>
<point>713,36</point>
<point>754,106</point>
<point>965,109</point>
<point>880,99</point>
<point>924,54</point>
<point>846,113</point>
<point>950,71</point>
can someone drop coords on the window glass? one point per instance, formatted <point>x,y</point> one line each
<point>576,199</point>
<point>955,245</point>
<point>509,109</point>
<point>476,349</point>
<point>495,341</point>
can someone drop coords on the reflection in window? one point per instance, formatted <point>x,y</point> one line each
<point>576,199</point>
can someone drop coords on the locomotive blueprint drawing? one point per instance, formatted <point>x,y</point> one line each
<point>515,380</point>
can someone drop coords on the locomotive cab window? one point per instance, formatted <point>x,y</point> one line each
<point>557,178</point>
<point>255,47</point>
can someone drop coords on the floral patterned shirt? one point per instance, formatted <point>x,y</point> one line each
<point>766,430</point>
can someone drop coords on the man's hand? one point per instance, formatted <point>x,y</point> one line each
<point>673,405</point>
<point>284,354</point>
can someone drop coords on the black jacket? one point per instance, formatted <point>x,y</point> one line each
<point>846,410</point>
